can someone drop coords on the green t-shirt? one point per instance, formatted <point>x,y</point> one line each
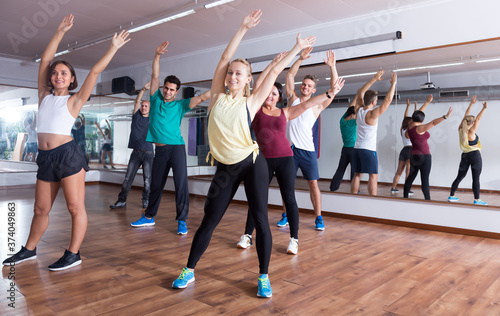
<point>165,120</point>
<point>348,131</point>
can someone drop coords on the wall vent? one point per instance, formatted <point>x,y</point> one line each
<point>454,93</point>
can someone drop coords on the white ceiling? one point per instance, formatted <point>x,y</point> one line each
<point>28,22</point>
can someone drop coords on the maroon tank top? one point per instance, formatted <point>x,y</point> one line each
<point>271,135</point>
<point>419,142</point>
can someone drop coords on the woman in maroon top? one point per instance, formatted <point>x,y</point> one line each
<point>269,125</point>
<point>420,155</point>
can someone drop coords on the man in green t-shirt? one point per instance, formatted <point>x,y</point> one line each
<point>165,118</point>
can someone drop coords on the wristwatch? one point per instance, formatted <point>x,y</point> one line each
<point>329,96</point>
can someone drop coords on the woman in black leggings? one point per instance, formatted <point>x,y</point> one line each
<point>420,155</point>
<point>471,156</point>
<point>237,154</point>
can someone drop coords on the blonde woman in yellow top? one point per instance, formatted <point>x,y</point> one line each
<point>471,156</point>
<point>236,151</point>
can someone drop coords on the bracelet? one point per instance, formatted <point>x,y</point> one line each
<point>329,96</point>
<point>444,116</point>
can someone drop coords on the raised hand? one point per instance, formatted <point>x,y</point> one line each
<point>430,98</point>
<point>394,78</point>
<point>378,75</point>
<point>306,53</point>
<point>330,58</point>
<point>408,102</point>
<point>66,23</point>
<point>147,85</point>
<point>450,110</point>
<point>120,39</point>
<point>473,100</point>
<point>252,19</point>
<point>162,48</point>
<point>485,105</point>
<point>337,86</point>
<point>305,42</point>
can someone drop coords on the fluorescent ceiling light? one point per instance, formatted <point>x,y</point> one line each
<point>162,20</point>
<point>123,102</point>
<point>64,52</point>
<point>487,60</point>
<point>428,67</point>
<point>216,3</point>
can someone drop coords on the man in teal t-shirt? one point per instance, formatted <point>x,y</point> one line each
<point>348,130</point>
<point>165,118</point>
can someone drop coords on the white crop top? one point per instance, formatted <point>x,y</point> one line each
<point>54,116</point>
<point>406,141</point>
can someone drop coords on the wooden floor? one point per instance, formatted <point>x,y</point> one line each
<point>352,268</point>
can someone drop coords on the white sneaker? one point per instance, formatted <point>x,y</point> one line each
<point>245,241</point>
<point>293,246</point>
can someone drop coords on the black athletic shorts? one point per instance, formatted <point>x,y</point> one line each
<point>60,162</point>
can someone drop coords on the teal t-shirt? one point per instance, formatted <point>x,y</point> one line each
<point>348,131</point>
<point>165,120</point>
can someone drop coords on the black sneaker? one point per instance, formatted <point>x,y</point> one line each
<point>23,255</point>
<point>68,260</point>
<point>118,204</point>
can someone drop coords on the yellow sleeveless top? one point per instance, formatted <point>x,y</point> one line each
<point>229,135</point>
<point>464,142</point>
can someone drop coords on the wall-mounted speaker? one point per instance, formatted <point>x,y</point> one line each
<point>188,92</point>
<point>122,85</point>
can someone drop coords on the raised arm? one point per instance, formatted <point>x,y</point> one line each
<point>474,127</point>
<point>155,74</point>
<point>260,94</point>
<point>48,55</point>
<point>99,128</point>
<point>266,70</point>
<point>331,62</point>
<point>295,111</point>
<point>82,119</point>
<point>77,100</point>
<point>427,102</point>
<point>407,111</point>
<point>199,99</point>
<point>425,127</point>
<point>361,91</point>
<point>291,95</point>
<point>218,81</point>
<point>373,115</point>
<point>138,100</point>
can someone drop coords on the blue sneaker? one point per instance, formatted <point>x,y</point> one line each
<point>181,228</point>
<point>319,223</point>
<point>143,221</point>
<point>453,199</point>
<point>283,221</point>
<point>184,279</point>
<point>264,287</point>
<point>479,202</point>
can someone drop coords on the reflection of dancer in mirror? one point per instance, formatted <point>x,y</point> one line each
<point>31,145</point>
<point>301,129</point>
<point>420,155</point>
<point>348,128</point>
<point>364,158</point>
<point>471,156</point>
<point>404,155</point>
<point>60,161</point>
<point>106,145</point>
<point>237,154</point>
<point>78,133</point>
<point>142,153</point>
<point>270,129</point>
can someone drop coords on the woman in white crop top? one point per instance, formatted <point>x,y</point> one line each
<point>60,161</point>
<point>237,153</point>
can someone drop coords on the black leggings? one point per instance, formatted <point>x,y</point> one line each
<point>224,184</point>
<point>345,160</point>
<point>284,169</point>
<point>423,164</point>
<point>474,160</point>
